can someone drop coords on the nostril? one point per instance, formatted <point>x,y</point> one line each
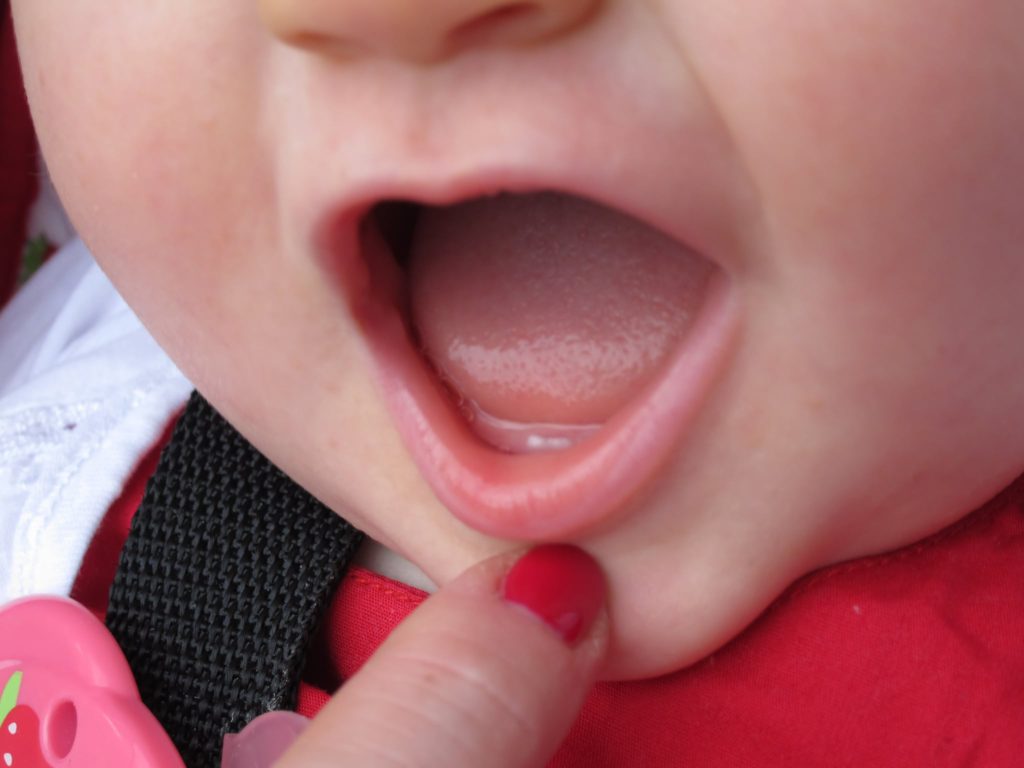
<point>61,729</point>
<point>420,33</point>
<point>504,22</point>
<point>327,45</point>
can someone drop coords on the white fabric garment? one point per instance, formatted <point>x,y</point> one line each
<point>84,393</point>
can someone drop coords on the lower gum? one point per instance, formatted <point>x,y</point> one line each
<point>517,437</point>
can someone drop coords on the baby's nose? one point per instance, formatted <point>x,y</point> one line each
<point>419,31</point>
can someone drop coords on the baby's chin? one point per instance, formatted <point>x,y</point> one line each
<point>673,598</point>
<point>660,623</point>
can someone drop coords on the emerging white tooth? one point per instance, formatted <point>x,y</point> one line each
<point>539,443</point>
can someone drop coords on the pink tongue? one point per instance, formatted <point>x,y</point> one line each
<point>548,309</point>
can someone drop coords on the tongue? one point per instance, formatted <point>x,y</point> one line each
<point>545,311</point>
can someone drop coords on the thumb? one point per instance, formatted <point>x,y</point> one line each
<point>491,670</point>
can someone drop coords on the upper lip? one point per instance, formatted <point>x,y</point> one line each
<point>690,188</point>
<point>441,190</point>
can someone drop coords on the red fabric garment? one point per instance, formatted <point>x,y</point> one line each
<point>18,186</point>
<point>913,658</point>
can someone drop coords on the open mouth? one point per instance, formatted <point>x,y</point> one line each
<point>540,353</point>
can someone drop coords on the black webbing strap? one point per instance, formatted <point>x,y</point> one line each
<point>223,580</point>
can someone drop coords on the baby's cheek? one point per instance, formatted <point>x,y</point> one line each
<point>149,132</point>
<point>884,138</point>
<point>859,116</point>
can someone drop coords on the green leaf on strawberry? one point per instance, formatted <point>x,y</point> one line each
<point>9,698</point>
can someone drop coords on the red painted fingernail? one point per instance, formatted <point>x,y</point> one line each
<point>560,584</point>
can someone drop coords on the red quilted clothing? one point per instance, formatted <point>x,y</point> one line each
<point>913,658</point>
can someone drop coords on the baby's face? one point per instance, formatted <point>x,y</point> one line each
<point>821,271</point>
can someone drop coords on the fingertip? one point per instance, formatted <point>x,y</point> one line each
<point>490,670</point>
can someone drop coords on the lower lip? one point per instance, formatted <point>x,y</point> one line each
<point>547,496</point>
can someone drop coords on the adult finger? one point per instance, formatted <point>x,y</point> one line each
<point>491,670</point>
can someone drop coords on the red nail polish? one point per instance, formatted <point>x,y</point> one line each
<point>559,583</point>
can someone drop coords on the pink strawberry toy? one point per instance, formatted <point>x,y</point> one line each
<point>69,698</point>
<point>19,739</point>
<point>19,730</point>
